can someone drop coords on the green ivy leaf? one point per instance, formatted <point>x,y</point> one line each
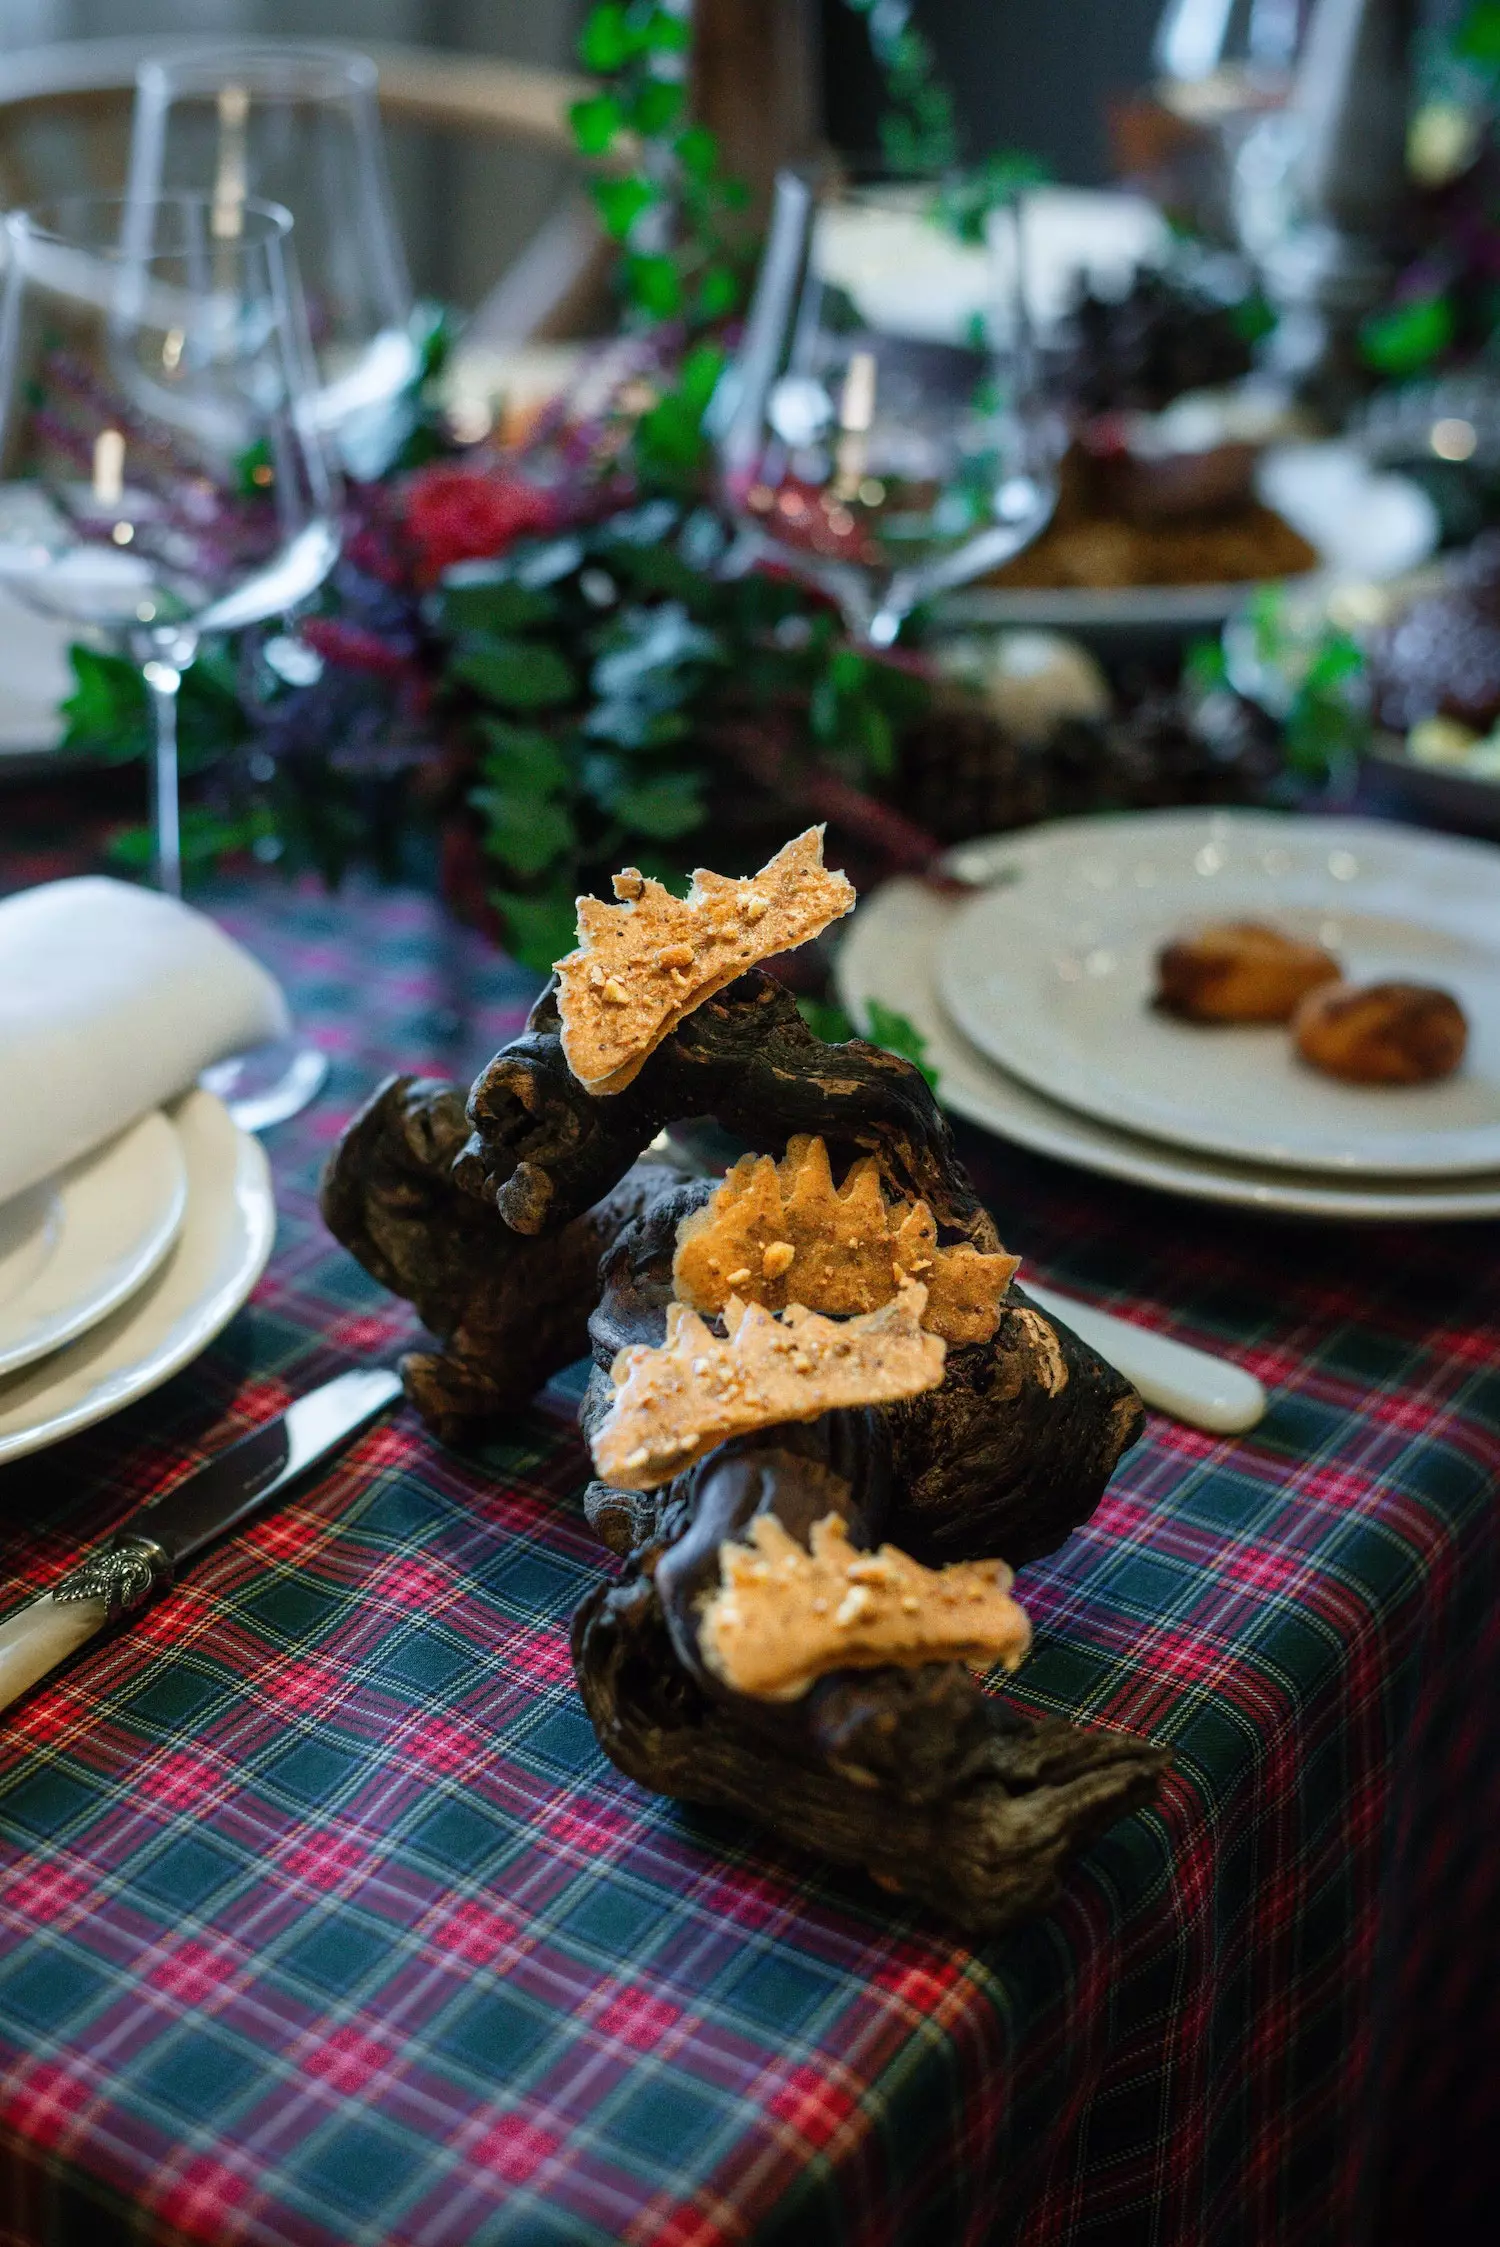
<point>653,283</point>
<point>658,103</point>
<point>1477,38</point>
<point>667,34</point>
<point>108,713</point>
<point>518,674</point>
<point>525,832</point>
<point>539,926</point>
<point>523,758</point>
<point>620,202</point>
<point>1409,338</point>
<point>482,600</point>
<point>664,807</point>
<point>595,123</point>
<point>697,151</point>
<point>607,39</point>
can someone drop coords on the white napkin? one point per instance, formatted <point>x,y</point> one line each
<point>112,998</point>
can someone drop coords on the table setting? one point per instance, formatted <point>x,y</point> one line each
<point>748,1315</point>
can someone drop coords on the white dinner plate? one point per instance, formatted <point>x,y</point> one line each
<point>889,953</point>
<point>1362,522</point>
<point>79,1245</point>
<point>220,1253</point>
<point>1052,975</point>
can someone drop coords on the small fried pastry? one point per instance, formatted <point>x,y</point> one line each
<point>1382,1033</point>
<point>1239,971</point>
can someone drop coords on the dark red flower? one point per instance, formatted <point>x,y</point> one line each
<point>461,515</point>
<point>352,648</point>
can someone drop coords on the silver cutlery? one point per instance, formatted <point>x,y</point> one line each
<point>122,1575</point>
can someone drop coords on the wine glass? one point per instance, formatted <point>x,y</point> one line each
<point>160,475</point>
<point>859,445</point>
<point>298,126</point>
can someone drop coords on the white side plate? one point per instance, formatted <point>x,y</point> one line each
<point>219,1255</point>
<point>1052,976</point>
<point>889,954</point>
<point>76,1248</point>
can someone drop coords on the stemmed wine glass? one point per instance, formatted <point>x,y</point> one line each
<point>298,126</point>
<point>877,459</point>
<point>161,477</point>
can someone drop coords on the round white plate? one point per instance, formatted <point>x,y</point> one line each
<point>75,1248</point>
<point>220,1253</point>
<point>1052,975</point>
<point>1363,523</point>
<point>890,953</point>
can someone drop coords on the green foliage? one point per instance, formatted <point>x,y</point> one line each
<point>674,211</point>
<point>1326,721</point>
<point>108,714</point>
<point>1409,337</point>
<point>597,703</point>
<point>1476,37</point>
<point>896,1032</point>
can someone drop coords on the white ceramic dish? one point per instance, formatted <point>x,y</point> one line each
<point>889,954</point>
<point>77,1247</point>
<point>220,1253</point>
<point>1052,976</point>
<point>1363,523</point>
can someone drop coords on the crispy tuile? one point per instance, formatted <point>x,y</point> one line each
<point>676,1402</point>
<point>644,964</point>
<point>784,1616</point>
<point>780,1233</point>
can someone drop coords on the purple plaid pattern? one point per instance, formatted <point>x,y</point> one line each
<point>322,1919</point>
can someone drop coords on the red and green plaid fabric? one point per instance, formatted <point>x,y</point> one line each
<point>323,1920</point>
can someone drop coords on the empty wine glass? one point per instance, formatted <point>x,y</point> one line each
<point>858,444</point>
<point>160,476</point>
<point>298,126</point>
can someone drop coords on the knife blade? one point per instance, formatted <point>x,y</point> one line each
<point>144,1554</point>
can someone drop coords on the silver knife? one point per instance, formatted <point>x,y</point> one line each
<point>149,1547</point>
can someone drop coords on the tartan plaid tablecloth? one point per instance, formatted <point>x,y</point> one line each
<point>323,1920</point>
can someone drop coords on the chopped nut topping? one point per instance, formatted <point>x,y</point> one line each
<point>784,1616</point>
<point>616,992</point>
<point>676,1402</point>
<point>839,1250</point>
<point>703,941</point>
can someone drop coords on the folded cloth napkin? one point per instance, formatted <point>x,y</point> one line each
<point>112,999</point>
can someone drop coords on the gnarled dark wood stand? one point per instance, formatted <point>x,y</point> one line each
<point>525,1229</point>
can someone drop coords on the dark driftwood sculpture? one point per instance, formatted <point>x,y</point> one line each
<point>526,1230</point>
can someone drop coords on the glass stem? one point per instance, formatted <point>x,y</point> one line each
<point>163,682</point>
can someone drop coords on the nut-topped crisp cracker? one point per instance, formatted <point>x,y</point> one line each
<point>643,964</point>
<point>678,1401</point>
<point>783,1616</point>
<point>779,1233</point>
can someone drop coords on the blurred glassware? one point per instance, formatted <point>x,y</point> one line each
<point>162,475</point>
<point>854,449</point>
<point>299,126</point>
<point>1251,42</point>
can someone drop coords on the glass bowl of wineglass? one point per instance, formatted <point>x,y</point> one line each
<point>862,444</point>
<point>161,474</point>
<point>298,126</point>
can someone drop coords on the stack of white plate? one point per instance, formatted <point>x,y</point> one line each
<point>121,1268</point>
<point>1033,988</point>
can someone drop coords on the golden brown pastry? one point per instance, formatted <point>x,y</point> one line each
<point>1239,971</point>
<point>1382,1033</point>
